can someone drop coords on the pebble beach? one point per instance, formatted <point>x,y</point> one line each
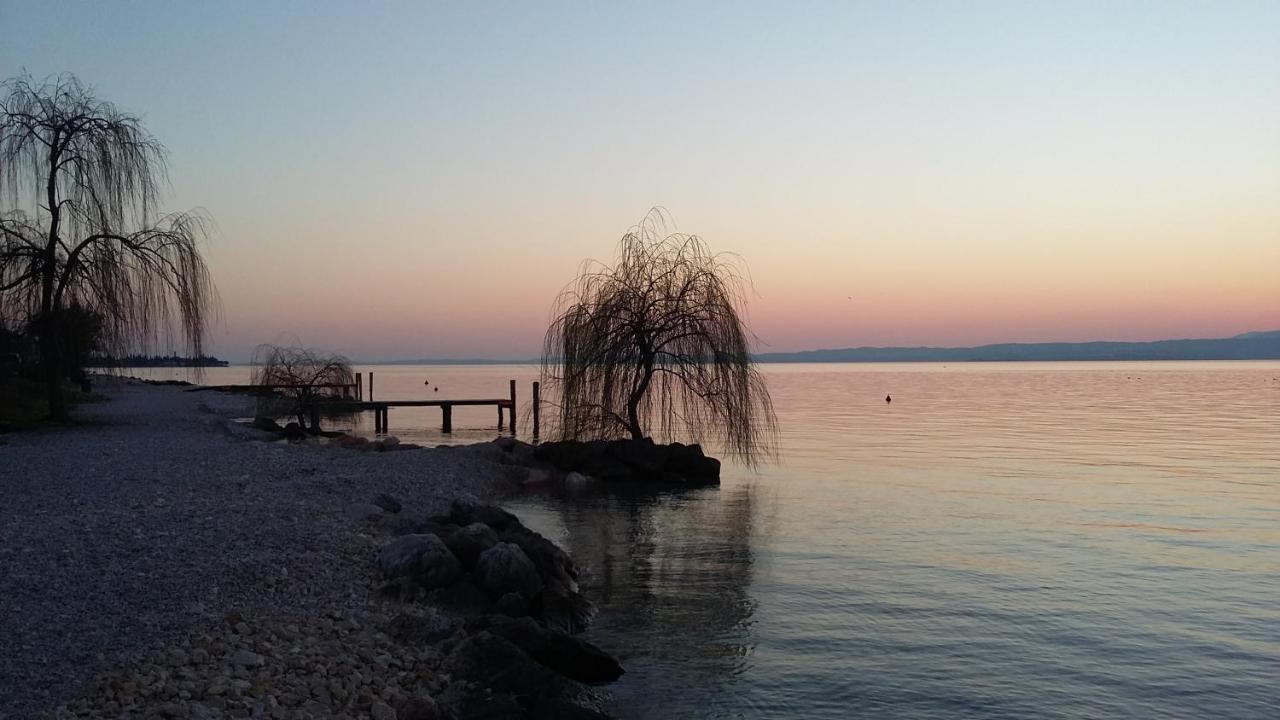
<point>160,559</point>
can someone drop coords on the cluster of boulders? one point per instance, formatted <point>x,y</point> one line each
<point>479,558</point>
<point>637,461</point>
<point>470,616</point>
<point>519,596</point>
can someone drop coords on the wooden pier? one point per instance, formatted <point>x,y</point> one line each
<point>381,408</point>
<point>352,399</point>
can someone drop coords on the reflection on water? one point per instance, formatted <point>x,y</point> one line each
<point>1050,540</point>
<point>1038,540</point>
<point>673,572</point>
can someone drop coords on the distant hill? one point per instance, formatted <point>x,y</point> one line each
<point>1248,346</point>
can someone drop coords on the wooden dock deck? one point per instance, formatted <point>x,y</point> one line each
<point>352,400</point>
<point>381,408</point>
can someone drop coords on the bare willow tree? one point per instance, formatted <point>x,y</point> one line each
<point>296,381</point>
<point>88,176</point>
<point>657,344</point>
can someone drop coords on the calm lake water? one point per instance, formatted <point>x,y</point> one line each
<point>1040,540</point>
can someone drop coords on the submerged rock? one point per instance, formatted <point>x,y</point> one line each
<point>569,656</point>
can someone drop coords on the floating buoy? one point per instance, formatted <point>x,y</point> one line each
<point>888,398</point>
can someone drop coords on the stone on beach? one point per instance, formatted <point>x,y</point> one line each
<point>425,557</point>
<point>505,568</point>
<point>174,516</point>
<point>467,543</point>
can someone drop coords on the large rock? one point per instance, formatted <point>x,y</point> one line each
<point>462,597</point>
<point>505,568</point>
<point>632,460</point>
<point>466,510</point>
<point>644,455</point>
<point>563,608</point>
<point>571,657</point>
<point>689,462</point>
<point>423,557</point>
<point>547,557</point>
<point>498,664</point>
<point>468,542</point>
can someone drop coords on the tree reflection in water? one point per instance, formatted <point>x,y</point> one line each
<point>670,573</point>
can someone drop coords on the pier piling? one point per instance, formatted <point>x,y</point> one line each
<point>537,404</point>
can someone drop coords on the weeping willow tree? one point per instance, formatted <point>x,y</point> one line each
<point>295,381</point>
<point>79,180</point>
<point>656,345</point>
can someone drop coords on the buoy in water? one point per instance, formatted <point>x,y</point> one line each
<point>888,398</point>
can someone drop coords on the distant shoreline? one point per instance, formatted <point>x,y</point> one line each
<point>1248,346</point>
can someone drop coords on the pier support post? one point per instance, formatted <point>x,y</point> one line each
<point>537,404</point>
<point>499,417</point>
<point>446,418</point>
<point>512,419</point>
<point>359,386</point>
<point>370,386</point>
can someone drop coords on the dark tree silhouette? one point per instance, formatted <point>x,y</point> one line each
<point>295,380</point>
<point>657,344</point>
<point>89,174</point>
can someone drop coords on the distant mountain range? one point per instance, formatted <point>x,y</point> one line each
<point>1246,346</point>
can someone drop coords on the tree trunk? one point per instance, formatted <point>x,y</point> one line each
<point>637,395</point>
<point>51,360</point>
<point>50,354</point>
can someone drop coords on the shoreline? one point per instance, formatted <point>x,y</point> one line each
<point>160,540</point>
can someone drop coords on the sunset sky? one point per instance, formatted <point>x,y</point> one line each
<point>420,179</point>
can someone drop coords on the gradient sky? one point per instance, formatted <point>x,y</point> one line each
<point>408,180</point>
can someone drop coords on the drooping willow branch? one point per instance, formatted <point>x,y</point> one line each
<point>81,180</point>
<point>656,345</point>
<point>295,380</point>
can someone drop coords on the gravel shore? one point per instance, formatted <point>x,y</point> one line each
<point>156,516</point>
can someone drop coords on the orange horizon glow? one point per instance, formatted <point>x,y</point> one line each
<point>421,181</point>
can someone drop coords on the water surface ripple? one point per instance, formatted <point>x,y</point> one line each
<point>1047,540</point>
